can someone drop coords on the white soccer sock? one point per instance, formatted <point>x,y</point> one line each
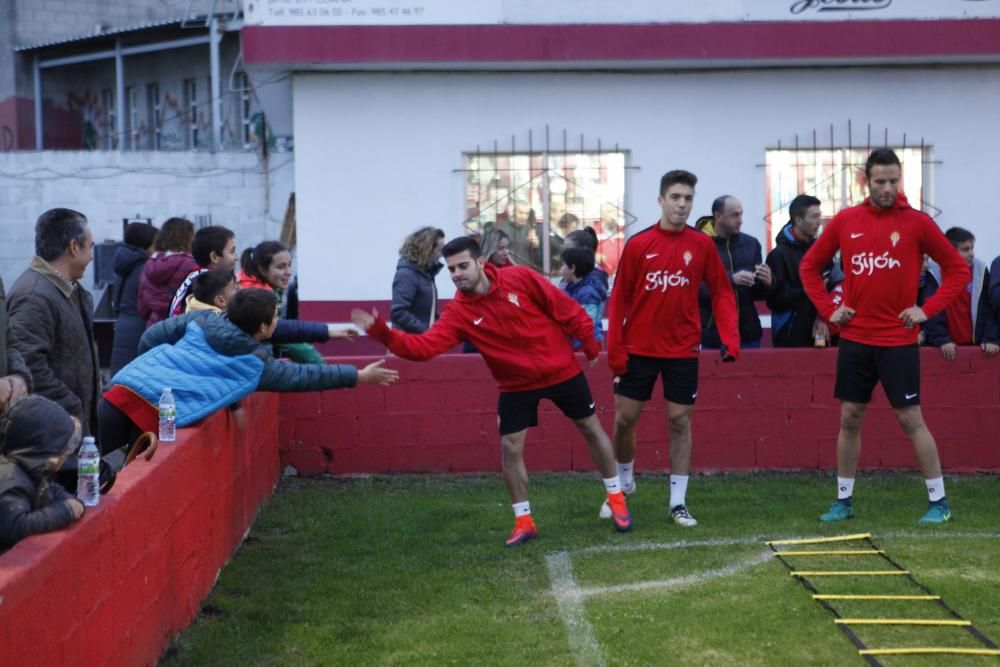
<point>625,477</point>
<point>612,485</point>
<point>935,488</point>
<point>522,509</point>
<point>678,489</point>
<point>845,488</point>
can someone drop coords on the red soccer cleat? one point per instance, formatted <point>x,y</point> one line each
<point>619,512</point>
<point>524,530</point>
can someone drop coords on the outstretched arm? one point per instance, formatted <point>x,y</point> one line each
<point>440,338</point>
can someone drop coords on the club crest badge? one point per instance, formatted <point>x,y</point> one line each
<point>894,237</point>
<point>687,257</point>
<point>513,299</point>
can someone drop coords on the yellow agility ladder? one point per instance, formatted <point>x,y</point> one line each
<point>869,549</point>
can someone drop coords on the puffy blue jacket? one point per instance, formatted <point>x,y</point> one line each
<point>591,292</point>
<point>209,363</point>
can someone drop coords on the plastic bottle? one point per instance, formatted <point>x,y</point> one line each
<point>168,416</point>
<point>88,482</point>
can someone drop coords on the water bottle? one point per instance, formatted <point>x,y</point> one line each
<point>88,475</point>
<point>168,416</point>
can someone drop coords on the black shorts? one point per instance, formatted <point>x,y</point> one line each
<point>518,410</point>
<point>680,379</point>
<point>860,367</point>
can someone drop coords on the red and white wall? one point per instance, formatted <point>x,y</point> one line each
<point>386,104</point>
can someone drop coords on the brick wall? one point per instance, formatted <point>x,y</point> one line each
<point>113,588</point>
<point>773,409</point>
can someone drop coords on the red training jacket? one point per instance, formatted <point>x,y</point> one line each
<point>653,310</point>
<point>882,252</point>
<point>522,326</point>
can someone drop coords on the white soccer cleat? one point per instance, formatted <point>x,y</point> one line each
<point>605,511</point>
<point>682,517</point>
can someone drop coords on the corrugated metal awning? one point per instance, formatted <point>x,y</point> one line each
<point>113,32</point>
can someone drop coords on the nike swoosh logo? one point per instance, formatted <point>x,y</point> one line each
<point>694,395</point>
<point>855,236</point>
<point>652,255</point>
<point>476,322</point>
<point>591,406</point>
<point>909,396</point>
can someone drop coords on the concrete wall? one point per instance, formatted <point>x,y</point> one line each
<point>773,409</point>
<point>113,588</point>
<point>378,153</point>
<point>236,189</point>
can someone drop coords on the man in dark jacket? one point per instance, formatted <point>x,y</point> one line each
<point>970,319</point>
<point>794,320</point>
<point>15,379</point>
<point>53,316</point>
<point>749,275</point>
<point>37,436</point>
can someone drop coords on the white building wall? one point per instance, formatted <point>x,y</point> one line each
<point>376,153</point>
<point>234,188</point>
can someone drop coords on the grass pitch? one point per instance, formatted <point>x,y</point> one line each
<point>411,570</point>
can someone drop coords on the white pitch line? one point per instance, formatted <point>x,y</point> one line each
<point>679,582</point>
<point>580,633</point>
<point>570,598</point>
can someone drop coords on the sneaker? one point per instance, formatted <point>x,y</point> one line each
<point>681,516</point>
<point>524,530</point>
<point>839,510</point>
<point>605,511</point>
<point>938,512</point>
<point>619,512</point>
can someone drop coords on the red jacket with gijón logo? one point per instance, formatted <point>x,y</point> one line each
<point>653,310</point>
<point>882,252</point>
<point>522,326</point>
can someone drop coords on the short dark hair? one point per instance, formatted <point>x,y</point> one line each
<point>799,206</point>
<point>176,235</point>
<point>210,284</point>
<point>257,260</point>
<point>882,156</point>
<point>585,237</point>
<point>581,260</point>
<point>460,244</point>
<point>958,235</point>
<point>55,229</point>
<point>677,176</point>
<point>252,307</point>
<point>208,240</point>
<point>139,234</point>
<point>719,204</point>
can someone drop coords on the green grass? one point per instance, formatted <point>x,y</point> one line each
<point>412,570</point>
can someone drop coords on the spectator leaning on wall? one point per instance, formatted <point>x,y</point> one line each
<point>970,319</point>
<point>52,316</point>
<point>36,437</point>
<point>166,269</point>
<point>210,362</point>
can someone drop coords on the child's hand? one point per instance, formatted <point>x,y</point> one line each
<point>363,320</point>
<point>75,506</point>
<point>340,334</point>
<point>374,374</point>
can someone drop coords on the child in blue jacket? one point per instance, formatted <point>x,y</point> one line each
<point>585,286</point>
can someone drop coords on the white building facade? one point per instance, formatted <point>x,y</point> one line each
<point>459,115</point>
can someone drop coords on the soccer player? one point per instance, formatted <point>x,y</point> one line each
<point>522,325</point>
<point>654,329</point>
<point>882,242</point>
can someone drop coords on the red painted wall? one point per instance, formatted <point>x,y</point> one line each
<point>114,588</point>
<point>773,409</point>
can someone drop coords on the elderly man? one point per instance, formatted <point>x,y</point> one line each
<point>52,316</point>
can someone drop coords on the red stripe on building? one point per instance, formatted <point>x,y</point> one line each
<point>695,43</point>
